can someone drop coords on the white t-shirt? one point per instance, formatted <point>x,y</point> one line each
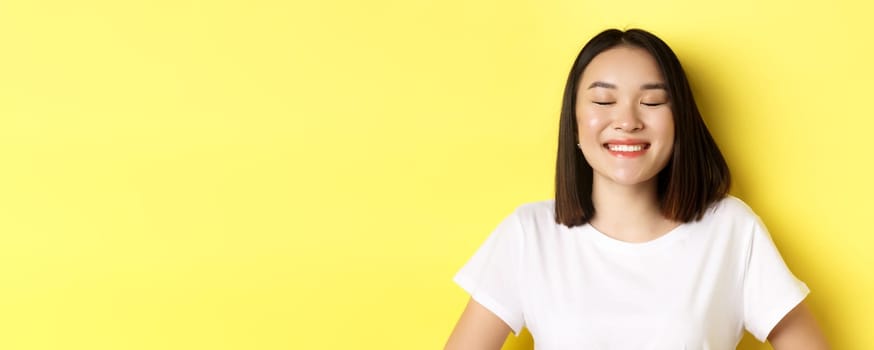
<point>696,287</point>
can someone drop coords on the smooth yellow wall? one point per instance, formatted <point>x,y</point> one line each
<point>310,175</point>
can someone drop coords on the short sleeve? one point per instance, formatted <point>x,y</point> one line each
<point>491,276</point>
<point>770,289</point>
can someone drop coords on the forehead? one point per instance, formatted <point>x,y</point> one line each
<point>627,66</point>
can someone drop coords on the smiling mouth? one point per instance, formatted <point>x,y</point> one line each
<point>626,148</point>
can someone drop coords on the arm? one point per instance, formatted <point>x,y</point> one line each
<point>798,330</point>
<point>478,328</point>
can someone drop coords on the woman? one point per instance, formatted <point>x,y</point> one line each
<point>642,247</point>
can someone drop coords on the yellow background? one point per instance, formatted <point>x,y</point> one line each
<point>310,175</point>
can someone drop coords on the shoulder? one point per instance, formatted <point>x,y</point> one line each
<point>536,212</point>
<point>730,208</point>
<point>526,218</point>
<point>731,218</point>
<point>536,222</point>
<point>543,206</point>
<point>531,218</point>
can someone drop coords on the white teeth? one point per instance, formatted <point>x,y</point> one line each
<point>625,148</point>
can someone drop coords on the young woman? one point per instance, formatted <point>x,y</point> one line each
<point>642,247</point>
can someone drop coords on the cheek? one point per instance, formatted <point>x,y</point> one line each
<point>667,126</point>
<point>663,126</point>
<point>590,121</point>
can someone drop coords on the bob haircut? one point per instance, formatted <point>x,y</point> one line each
<point>695,176</point>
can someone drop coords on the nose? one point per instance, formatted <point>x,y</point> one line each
<point>627,121</point>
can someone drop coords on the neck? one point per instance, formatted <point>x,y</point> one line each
<point>628,212</point>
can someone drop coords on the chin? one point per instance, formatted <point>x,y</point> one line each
<point>629,182</point>
<point>632,180</point>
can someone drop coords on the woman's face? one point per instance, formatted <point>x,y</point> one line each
<point>624,118</point>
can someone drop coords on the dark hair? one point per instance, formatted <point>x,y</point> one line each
<point>696,175</point>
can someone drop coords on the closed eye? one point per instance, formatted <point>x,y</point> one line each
<point>654,104</point>
<point>603,103</point>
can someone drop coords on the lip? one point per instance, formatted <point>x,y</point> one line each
<point>620,154</point>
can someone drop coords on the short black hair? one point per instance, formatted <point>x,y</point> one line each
<point>696,175</point>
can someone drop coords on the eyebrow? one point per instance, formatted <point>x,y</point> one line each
<point>650,86</point>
